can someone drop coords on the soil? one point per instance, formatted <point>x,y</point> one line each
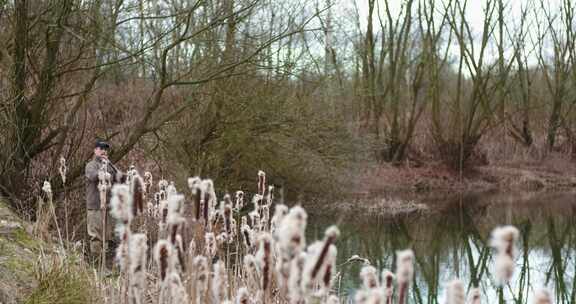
<point>438,178</point>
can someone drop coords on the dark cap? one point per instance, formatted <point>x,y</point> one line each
<point>102,144</point>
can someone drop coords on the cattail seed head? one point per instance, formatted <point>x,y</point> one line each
<point>504,241</point>
<point>239,200</point>
<point>261,182</point>
<point>264,258</point>
<point>369,277</point>
<point>404,273</point>
<point>543,296</point>
<point>137,190</point>
<point>148,181</point>
<point>164,257</point>
<point>210,244</point>
<point>388,284</point>
<point>162,185</point>
<point>243,296</point>
<point>62,169</point>
<point>404,266</point>
<point>47,188</point>
<point>455,292</point>
<point>333,299</point>
<point>220,282</point>
<point>295,278</point>
<point>121,203</point>
<point>474,296</point>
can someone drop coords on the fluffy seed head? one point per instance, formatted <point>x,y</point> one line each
<point>404,266</point>
<point>455,292</point>
<point>542,296</point>
<point>121,203</point>
<point>369,277</point>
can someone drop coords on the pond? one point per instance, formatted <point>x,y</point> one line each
<point>453,242</point>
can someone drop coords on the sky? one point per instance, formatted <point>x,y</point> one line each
<point>474,15</point>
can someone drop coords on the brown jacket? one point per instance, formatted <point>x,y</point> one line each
<point>91,173</point>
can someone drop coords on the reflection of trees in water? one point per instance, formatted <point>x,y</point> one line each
<point>456,244</point>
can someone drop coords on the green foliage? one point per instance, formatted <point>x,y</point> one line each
<point>288,132</point>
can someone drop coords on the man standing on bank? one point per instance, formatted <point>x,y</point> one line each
<point>93,212</point>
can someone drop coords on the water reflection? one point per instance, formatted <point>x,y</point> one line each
<point>453,243</point>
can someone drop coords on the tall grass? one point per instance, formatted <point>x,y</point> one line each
<point>189,247</point>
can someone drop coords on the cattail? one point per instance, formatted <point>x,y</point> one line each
<point>233,230</point>
<point>264,257</point>
<point>455,292</point>
<point>270,196</point>
<point>171,190</point>
<point>265,218</point>
<point>208,199</point>
<point>251,271</point>
<point>123,250</point>
<point>210,244</point>
<point>227,218</point>
<point>227,199</point>
<point>121,204</point>
<point>192,248</point>
<point>328,270</point>
<point>369,277</point>
<point>291,233</point>
<point>174,217</point>
<point>282,271</point>
<point>148,181</point>
<point>221,239</point>
<point>504,241</point>
<point>137,190</point>
<point>163,255</point>
<point>332,299</point>
<point>362,296</point>
<point>194,184</point>
<point>243,297</point>
<point>330,237</point>
<point>239,200</point>
<point>280,211</point>
<point>255,221</point>
<point>162,185</point>
<point>179,246</point>
<point>200,264</point>
<point>175,289</point>
<point>63,169</point>
<point>257,202</point>
<point>246,234</point>
<point>388,283</point>
<point>404,272</point>
<point>295,291</point>
<point>474,296</point>
<point>220,282</point>
<point>138,258</point>
<point>47,188</point>
<point>261,182</point>
<point>157,198</point>
<point>150,209</point>
<point>375,296</point>
<point>130,174</point>
<point>542,296</point>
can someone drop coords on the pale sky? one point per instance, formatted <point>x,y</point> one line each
<point>474,14</point>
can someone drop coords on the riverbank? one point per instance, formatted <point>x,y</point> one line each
<point>527,176</point>
<point>392,191</point>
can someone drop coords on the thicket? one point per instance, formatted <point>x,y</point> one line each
<point>298,88</point>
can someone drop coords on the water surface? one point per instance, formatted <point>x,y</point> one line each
<point>452,242</point>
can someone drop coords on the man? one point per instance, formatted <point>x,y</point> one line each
<point>93,204</point>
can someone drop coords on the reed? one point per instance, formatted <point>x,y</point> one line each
<point>209,252</point>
